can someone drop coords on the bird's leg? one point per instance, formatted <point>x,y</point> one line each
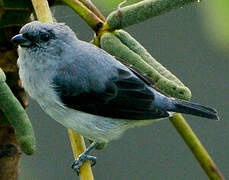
<point>99,146</point>
<point>84,157</point>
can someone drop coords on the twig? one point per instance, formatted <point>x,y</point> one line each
<point>42,10</point>
<point>78,147</point>
<point>89,17</point>
<point>44,14</point>
<point>196,147</point>
<point>93,8</point>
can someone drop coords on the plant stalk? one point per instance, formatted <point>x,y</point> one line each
<point>93,9</point>
<point>196,147</point>
<point>88,16</point>
<point>78,147</point>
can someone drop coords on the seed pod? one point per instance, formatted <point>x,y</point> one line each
<point>112,44</point>
<point>135,46</point>
<point>17,117</point>
<point>142,11</point>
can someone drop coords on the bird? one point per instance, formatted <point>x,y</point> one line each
<point>88,90</point>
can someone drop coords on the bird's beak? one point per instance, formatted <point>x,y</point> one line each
<point>21,40</point>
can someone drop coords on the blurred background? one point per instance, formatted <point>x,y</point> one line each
<point>192,42</point>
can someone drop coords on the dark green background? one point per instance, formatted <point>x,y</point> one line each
<point>181,42</point>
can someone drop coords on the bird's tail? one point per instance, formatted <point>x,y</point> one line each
<point>187,107</point>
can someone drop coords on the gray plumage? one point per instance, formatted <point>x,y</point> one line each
<point>86,89</point>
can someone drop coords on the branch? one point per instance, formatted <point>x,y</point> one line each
<point>44,14</point>
<point>42,11</point>
<point>142,11</point>
<point>89,17</point>
<point>78,147</point>
<point>93,9</point>
<point>196,147</point>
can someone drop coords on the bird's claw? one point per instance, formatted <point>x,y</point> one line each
<point>79,162</point>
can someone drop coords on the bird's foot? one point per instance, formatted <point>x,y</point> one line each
<point>79,162</point>
<point>84,157</point>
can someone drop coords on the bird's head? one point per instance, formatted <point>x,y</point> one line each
<point>43,35</point>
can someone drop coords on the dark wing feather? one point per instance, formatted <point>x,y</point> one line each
<point>125,96</point>
<point>137,72</point>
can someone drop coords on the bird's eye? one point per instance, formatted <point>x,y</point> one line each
<point>26,35</point>
<point>44,37</point>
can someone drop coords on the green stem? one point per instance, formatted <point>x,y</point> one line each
<point>196,147</point>
<point>93,9</point>
<point>89,17</point>
<point>141,11</point>
<point>46,16</point>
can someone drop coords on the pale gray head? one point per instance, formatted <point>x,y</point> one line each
<point>43,36</point>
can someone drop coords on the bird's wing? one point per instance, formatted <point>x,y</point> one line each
<point>124,95</point>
